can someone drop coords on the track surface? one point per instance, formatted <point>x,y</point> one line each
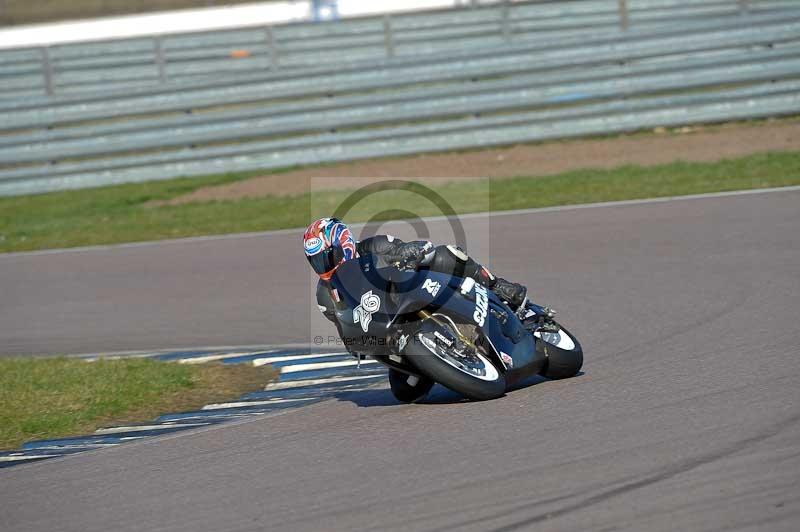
<point>686,417</point>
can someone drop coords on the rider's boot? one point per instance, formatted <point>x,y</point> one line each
<point>516,296</point>
<point>541,321</point>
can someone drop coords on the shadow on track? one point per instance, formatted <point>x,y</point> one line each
<point>439,395</point>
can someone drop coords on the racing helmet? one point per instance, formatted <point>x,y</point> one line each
<point>328,243</point>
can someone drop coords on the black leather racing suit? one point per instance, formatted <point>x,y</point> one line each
<point>445,259</point>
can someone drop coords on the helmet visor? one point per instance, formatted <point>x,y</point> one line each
<point>322,262</point>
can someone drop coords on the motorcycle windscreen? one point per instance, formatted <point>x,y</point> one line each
<point>355,277</point>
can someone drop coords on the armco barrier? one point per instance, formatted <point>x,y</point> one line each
<point>524,88</point>
<point>333,152</point>
<point>762,68</point>
<point>142,71</point>
<point>76,67</point>
<point>364,105</point>
<point>528,45</point>
<point>744,96</point>
<point>507,61</point>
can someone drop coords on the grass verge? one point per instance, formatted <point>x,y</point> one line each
<point>118,214</point>
<point>44,398</point>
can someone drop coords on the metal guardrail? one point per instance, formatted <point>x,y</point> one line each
<point>745,96</point>
<point>504,62</point>
<point>351,107</point>
<point>759,66</point>
<point>520,45</point>
<point>333,152</point>
<point>521,90</point>
<point>161,59</point>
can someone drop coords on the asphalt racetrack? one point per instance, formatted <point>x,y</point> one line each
<point>687,415</point>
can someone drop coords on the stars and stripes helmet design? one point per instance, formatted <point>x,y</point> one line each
<point>327,243</point>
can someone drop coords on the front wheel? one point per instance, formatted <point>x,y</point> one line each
<point>408,388</point>
<point>472,375</point>
<point>563,351</point>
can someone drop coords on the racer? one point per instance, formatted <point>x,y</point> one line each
<point>328,243</point>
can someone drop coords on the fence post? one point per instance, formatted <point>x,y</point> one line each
<point>505,24</point>
<point>387,36</point>
<point>272,50</point>
<point>744,6</point>
<point>623,15</point>
<point>158,46</point>
<point>47,70</point>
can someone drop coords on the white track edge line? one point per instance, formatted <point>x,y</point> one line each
<point>142,428</point>
<point>210,349</point>
<point>315,382</point>
<point>288,358</point>
<point>28,457</point>
<point>295,368</point>
<point>242,404</point>
<point>213,358</point>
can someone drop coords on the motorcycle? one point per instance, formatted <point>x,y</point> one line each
<point>430,327</point>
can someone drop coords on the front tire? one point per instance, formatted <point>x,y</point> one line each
<point>563,351</point>
<point>405,389</point>
<point>470,386</point>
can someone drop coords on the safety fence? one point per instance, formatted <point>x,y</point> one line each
<point>437,92</point>
<point>99,66</point>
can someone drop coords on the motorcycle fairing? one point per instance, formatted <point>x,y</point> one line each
<point>401,295</point>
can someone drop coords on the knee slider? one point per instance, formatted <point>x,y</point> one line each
<point>457,252</point>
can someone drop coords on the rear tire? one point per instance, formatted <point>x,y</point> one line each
<point>561,363</point>
<point>405,392</point>
<point>460,382</point>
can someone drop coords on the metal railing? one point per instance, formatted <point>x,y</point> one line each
<point>166,58</point>
<point>524,89</point>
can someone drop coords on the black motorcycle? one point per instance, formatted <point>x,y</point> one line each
<point>430,327</point>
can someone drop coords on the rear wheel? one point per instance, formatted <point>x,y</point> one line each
<point>468,371</point>
<point>408,388</point>
<point>563,351</point>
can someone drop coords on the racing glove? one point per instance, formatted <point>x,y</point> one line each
<point>411,255</point>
